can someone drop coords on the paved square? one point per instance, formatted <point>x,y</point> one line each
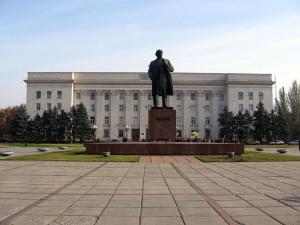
<point>167,193</point>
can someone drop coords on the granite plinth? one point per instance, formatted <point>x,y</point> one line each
<point>168,148</point>
<point>162,124</point>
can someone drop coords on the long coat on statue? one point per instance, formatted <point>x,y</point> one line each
<point>160,74</point>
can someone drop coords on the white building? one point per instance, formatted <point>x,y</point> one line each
<point>118,100</point>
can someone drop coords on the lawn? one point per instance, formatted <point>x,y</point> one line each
<point>78,155</point>
<point>250,157</point>
<point>39,145</point>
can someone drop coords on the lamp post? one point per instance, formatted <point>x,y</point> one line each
<point>127,127</point>
<point>94,127</point>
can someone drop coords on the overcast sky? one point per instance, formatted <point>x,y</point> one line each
<point>251,36</point>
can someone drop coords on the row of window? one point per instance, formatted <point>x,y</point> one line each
<point>121,108</point>
<point>250,96</point>
<point>250,108</point>
<point>135,120</point>
<point>193,121</point>
<point>135,96</point>
<point>179,96</point>
<point>48,106</point>
<point>49,94</point>
<point>107,96</point>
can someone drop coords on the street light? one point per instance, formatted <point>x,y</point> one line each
<point>127,128</point>
<point>94,128</point>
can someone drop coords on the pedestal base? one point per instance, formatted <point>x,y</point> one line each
<point>162,124</point>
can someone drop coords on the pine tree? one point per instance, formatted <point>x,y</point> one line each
<point>260,120</point>
<point>84,130</point>
<point>64,127</point>
<point>81,127</point>
<point>226,122</point>
<point>18,124</point>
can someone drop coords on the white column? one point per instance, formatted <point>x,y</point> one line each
<point>186,113</point>
<point>128,111</point>
<point>99,114</point>
<point>214,115</point>
<point>143,110</point>
<point>201,112</point>
<point>114,120</point>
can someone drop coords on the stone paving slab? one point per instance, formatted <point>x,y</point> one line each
<point>149,193</point>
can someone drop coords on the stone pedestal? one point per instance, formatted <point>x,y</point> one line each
<point>162,124</point>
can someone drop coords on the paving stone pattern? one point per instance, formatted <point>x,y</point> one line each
<point>56,193</point>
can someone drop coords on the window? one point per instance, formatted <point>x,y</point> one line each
<point>178,121</point>
<point>193,96</point>
<point>149,96</point>
<point>221,108</point>
<point>193,108</point>
<point>135,108</point>
<point>38,106</point>
<point>121,96</point>
<point>106,108</point>
<point>58,106</point>
<point>106,120</point>
<point>92,120</point>
<point>121,133</point>
<point>261,96</point>
<point>92,107</point>
<point>207,96</point>
<point>178,96</point>
<point>207,120</point>
<point>222,96</point>
<point>135,120</point>
<point>106,96</point>
<point>78,95</point>
<point>241,107</point>
<point>193,120</point>
<point>93,96</point>
<point>251,107</point>
<point>49,93</point>
<point>241,95</point>
<point>106,133</point>
<point>59,94</point>
<point>135,96</point>
<point>121,120</point>
<point>250,94</point>
<point>48,106</point>
<point>38,94</point>
<point>121,108</point>
<point>207,108</point>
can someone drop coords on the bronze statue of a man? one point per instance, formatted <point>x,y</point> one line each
<point>160,73</point>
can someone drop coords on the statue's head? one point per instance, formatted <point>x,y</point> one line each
<point>159,53</point>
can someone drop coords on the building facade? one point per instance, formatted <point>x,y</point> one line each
<point>118,103</point>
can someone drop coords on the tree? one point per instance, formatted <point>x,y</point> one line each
<point>18,124</point>
<point>226,120</point>
<point>35,130</point>
<point>294,104</point>
<point>5,118</point>
<point>81,127</point>
<point>64,127</point>
<point>260,121</point>
<point>243,125</point>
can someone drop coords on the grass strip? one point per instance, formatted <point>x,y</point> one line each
<point>250,156</point>
<point>78,155</point>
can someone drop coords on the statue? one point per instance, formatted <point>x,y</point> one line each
<point>160,74</point>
